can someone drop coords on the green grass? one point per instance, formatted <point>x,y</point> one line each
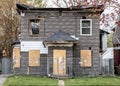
<point>79,81</point>
<point>30,81</point>
<point>93,81</point>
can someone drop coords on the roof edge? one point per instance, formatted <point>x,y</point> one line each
<point>75,8</point>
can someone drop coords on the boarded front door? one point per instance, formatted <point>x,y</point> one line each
<point>59,62</point>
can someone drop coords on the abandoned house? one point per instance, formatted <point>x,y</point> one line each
<point>58,41</point>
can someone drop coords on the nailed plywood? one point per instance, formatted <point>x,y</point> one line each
<point>85,58</point>
<point>59,62</point>
<point>16,57</point>
<point>34,57</point>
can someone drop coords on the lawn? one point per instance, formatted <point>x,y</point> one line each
<point>93,81</point>
<point>30,81</point>
<point>77,81</point>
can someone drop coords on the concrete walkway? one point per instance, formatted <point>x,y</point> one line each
<point>61,83</point>
<point>3,78</point>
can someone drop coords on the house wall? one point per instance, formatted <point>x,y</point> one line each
<point>116,55</point>
<point>69,22</point>
<point>26,69</point>
<point>116,59</point>
<point>104,41</point>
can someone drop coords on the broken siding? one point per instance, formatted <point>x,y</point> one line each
<point>33,45</point>
<point>52,23</point>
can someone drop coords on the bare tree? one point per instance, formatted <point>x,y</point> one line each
<point>9,24</point>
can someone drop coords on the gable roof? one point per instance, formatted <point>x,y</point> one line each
<point>60,36</point>
<point>116,37</point>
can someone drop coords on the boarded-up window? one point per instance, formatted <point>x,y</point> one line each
<point>16,57</point>
<point>34,57</point>
<point>85,58</point>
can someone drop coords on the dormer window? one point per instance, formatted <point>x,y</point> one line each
<point>86,27</point>
<point>34,27</point>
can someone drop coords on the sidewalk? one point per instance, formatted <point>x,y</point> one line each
<point>61,83</point>
<point>3,78</point>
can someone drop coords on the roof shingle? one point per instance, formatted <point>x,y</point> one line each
<point>60,36</point>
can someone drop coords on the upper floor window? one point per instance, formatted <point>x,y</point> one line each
<point>34,26</point>
<point>86,27</point>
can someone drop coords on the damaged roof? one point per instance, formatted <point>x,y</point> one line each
<point>75,8</point>
<point>60,36</point>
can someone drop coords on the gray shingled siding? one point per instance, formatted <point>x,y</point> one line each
<point>25,69</point>
<point>94,70</point>
<point>70,23</point>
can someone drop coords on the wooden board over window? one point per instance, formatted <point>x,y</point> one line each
<point>16,57</point>
<point>34,57</point>
<point>85,58</point>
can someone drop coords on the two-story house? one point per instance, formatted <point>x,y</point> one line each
<point>58,41</point>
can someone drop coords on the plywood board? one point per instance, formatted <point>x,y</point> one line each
<point>16,57</point>
<point>59,62</point>
<point>34,57</point>
<point>85,58</point>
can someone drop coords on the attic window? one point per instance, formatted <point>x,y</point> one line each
<point>34,26</point>
<point>86,27</point>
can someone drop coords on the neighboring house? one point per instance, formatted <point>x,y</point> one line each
<point>58,41</point>
<point>108,62</point>
<point>103,40</point>
<point>107,66</point>
<point>116,46</point>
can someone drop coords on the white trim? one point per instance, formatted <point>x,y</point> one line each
<point>86,27</point>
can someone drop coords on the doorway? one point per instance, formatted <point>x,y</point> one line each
<point>59,62</point>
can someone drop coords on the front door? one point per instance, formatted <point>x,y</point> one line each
<point>59,62</point>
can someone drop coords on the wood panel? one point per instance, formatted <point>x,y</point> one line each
<point>16,57</point>
<point>34,57</point>
<point>59,62</point>
<point>85,58</point>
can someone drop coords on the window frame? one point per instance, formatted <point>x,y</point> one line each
<point>86,27</point>
<point>29,25</point>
